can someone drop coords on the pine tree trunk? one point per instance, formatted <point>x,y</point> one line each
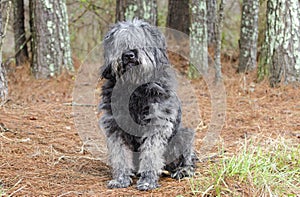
<point>130,9</point>
<point>198,37</point>
<point>3,82</point>
<point>211,20</point>
<point>19,33</point>
<point>280,57</point>
<point>51,51</point>
<point>248,35</point>
<point>218,40</point>
<point>178,15</point>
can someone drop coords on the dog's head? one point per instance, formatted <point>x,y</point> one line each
<point>132,44</point>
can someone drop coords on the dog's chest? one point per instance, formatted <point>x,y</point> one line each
<point>142,101</point>
<point>140,105</point>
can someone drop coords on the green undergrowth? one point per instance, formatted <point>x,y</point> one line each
<point>268,167</point>
<point>2,193</point>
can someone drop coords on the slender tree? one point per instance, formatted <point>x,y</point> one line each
<point>19,32</point>
<point>280,58</point>
<point>3,81</point>
<point>178,15</point>
<point>248,35</point>
<point>218,40</point>
<point>211,20</point>
<point>129,9</point>
<point>198,37</point>
<point>51,52</point>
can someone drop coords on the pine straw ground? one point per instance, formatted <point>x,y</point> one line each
<point>41,153</point>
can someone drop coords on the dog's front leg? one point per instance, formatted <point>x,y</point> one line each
<point>151,160</point>
<point>121,162</point>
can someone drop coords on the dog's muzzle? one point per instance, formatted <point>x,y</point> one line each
<point>130,59</point>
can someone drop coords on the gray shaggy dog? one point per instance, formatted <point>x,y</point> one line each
<point>142,114</point>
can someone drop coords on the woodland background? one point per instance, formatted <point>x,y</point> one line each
<point>252,47</point>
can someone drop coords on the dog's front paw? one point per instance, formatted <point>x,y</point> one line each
<point>146,184</point>
<point>147,181</point>
<point>187,171</point>
<point>119,183</point>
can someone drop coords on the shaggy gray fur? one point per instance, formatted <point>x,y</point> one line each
<point>142,114</point>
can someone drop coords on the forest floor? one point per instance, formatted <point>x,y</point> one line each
<point>41,153</point>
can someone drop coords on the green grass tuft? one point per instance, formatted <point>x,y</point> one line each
<point>2,192</point>
<point>269,169</point>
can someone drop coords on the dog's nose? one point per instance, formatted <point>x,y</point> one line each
<point>129,55</point>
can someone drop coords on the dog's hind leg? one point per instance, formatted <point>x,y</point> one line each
<point>186,167</point>
<point>185,164</point>
<point>121,162</point>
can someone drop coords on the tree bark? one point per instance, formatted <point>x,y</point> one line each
<point>3,81</point>
<point>248,36</point>
<point>218,40</point>
<point>211,20</point>
<point>51,51</point>
<point>178,15</point>
<point>280,59</point>
<point>19,33</point>
<point>198,37</point>
<point>130,9</point>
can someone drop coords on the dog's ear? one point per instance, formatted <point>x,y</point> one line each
<point>161,56</point>
<point>107,73</point>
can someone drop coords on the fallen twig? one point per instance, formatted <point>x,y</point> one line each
<point>15,185</point>
<point>79,104</point>
<point>14,140</point>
